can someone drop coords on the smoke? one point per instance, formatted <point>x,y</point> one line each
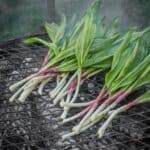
<point>130,13</point>
<point>20,18</point>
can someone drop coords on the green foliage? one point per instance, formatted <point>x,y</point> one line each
<point>85,44</point>
<point>85,40</point>
<point>130,67</point>
<point>119,60</point>
<point>37,40</point>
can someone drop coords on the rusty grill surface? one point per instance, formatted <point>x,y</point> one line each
<point>36,125</point>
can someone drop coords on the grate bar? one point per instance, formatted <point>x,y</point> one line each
<point>35,124</point>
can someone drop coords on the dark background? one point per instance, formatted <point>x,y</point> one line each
<point>19,18</point>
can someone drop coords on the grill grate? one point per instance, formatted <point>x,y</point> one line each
<point>35,124</point>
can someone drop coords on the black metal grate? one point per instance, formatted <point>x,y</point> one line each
<point>35,125</point>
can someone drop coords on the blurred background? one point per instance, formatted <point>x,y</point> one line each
<point>19,18</point>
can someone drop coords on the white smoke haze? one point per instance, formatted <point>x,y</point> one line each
<point>22,18</point>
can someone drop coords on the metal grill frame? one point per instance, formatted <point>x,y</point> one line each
<point>35,124</point>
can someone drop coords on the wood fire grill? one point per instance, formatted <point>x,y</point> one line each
<point>36,124</point>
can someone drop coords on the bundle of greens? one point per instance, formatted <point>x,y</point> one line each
<point>93,53</point>
<point>47,71</point>
<point>145,98</point>
<point>130,71</point>
<point>82,48</point>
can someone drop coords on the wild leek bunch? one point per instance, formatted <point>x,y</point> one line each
<point>145,98</point>
<point>81,48</point>
<point>129,71</point>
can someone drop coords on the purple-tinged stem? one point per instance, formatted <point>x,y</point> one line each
<point>91,110</point>
<point>46,59</point>
<point>83,112</point>
<point>101,131</point>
